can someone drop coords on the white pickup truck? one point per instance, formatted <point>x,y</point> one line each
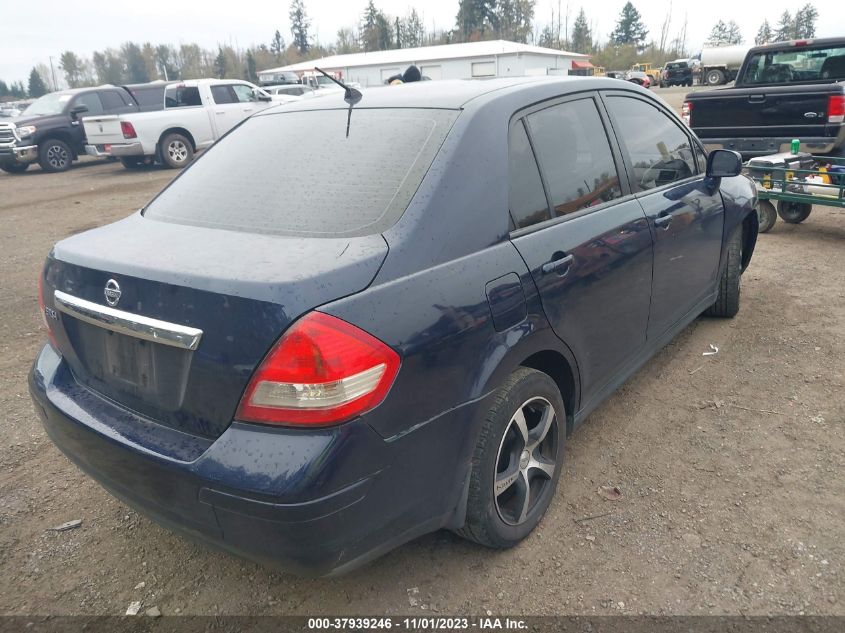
<point>196,113</point>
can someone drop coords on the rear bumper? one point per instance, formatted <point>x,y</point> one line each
<point>310,502</point>
<point>117,150</point>
<point>19,154</point>
<point>749,147</point>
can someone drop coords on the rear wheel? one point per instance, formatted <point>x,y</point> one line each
<point>14,168</point>
<point>766,216</point>
<point>176,151</point>
<point>794,212</point>
<point>715,77</point>
<point>517,461</point>
<point>54,155</point>
<point>727,301</point>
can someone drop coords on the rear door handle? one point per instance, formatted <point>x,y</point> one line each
<point>663,219</point>
<point>219,112</point>
<point>756,98</point>
<point>558,261</point>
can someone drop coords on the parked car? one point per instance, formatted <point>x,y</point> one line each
<point>315,380</point>
<point>652,72</point>
<point>616,74</point>
<point>784,91</point>
<point>49,130</point>
<point>639,78</point>
<point>194,115</point>
<point>9,111</point>
<point>291,90</point>
<point>677,73</point>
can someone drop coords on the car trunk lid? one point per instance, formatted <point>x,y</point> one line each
<point>189,324</point>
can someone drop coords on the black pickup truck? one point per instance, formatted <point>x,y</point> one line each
<point>50,130</point>
<point>783,91</point>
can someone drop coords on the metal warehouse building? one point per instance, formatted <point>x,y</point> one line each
<point>497,58</point>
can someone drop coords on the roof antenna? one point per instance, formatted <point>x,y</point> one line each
<point>351,96</point>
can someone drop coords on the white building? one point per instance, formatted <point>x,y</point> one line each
<point>497,58</point>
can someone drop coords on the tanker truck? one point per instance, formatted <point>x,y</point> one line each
<point>719,64</point>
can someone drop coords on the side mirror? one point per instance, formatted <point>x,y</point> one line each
<point>261,95</point>
<point>75,111</point>
<point>723,163</point>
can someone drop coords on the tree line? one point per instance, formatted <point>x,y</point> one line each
<point>476,20</point>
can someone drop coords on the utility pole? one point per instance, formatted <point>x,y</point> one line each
<point>53,72</point>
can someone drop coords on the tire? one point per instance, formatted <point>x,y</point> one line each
<point>14,168</point>
<point>176,151</point>
<point>794,212</point>
<point>504,461</point>
<point>54,155</point>
<point>766,216</point>
<point>133,162</point>
<point>727,301</point>
<point>715,77</point>
<point>689,83</point>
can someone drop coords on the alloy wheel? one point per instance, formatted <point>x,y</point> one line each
<point>526,460</point>
<point>177,151</point>
<point>57,156</point>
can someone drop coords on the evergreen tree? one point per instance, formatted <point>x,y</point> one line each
<point>514,19</point>
<point>414,30</point>
<point>220,65</point>
<point>805,22</point>
<point>251,67</point>
<point>629,28</point>
<point>277,46</point>
<point>299,25</point>
<point>376,31</point>
<point>4,89</point>
<point>582,39</point>
<point>475,19</point>
<point>136,65</point>
<point>785,28</point>
<point>166,62</point>
<point>37,86</point>
<point>17,90</point>
<point>764,34</point>
<point>733,34</point>
<point>72,67</point>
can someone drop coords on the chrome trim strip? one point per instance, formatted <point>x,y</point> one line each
<point>127,323</point>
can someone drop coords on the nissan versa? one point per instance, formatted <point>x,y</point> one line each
<point>315,345</point>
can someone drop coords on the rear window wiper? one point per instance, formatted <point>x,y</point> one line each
<point>350,95</point>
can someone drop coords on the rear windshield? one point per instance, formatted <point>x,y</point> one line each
<point>676,66</point>
<point>796,65</point>
<point>296,173</point>
<point>148,97</point>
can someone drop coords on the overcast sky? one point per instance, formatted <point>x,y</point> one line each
<point>33,30</point>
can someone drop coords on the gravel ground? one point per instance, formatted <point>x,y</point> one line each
<point>730,466</point>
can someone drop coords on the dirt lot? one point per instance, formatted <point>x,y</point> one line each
<point>730,466</point>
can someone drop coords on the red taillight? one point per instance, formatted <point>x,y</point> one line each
<point>128,130</point>
<point>43,309</point>
<point>836,108</point>
<point>322,371</point>
<point>686,112</point>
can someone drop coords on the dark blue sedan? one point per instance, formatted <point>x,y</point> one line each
<point>311,348</point>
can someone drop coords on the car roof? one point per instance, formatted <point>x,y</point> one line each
<point>797,45</point>
<point>454,94</point>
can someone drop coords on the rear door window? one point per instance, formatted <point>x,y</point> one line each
<point>574,155</point>
<point>297,173</point>
<point>222,94</point>
<point>91,100</point>
<point>112,100</point>
<point>182,96</point>
<point>526,196</point>
<point>658,150</point>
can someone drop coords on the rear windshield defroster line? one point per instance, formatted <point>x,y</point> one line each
<point>297,174</point>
